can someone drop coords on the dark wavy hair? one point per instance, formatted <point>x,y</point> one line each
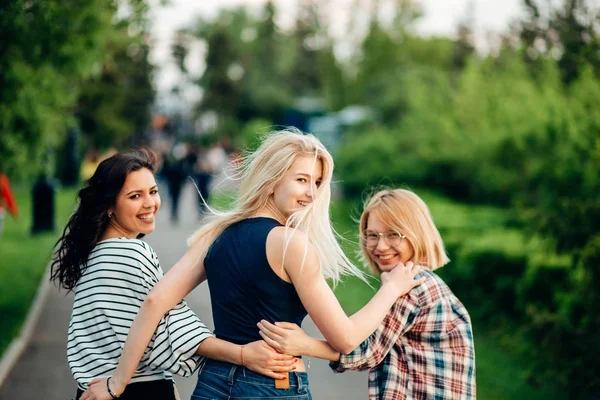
<point>90,219</point>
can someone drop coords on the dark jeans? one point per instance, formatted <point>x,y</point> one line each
<point>219,381</point>
<point>159,390</point>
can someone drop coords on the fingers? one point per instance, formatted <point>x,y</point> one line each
<point>419,281</point>
<point>287,325</point>
<point>281,368</point>
<point>284,358</point>
<point>268,331</point>
<point>270,341</point>
<point>282,365</point>
<point>272,374</point>
<point>267,326</point>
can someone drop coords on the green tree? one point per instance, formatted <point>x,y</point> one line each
<point>266,92</point>
<point>47,50</point>
<point>559,201</point>
<point>114,106</point>
<point>304,76</point>
<point>567,31</point>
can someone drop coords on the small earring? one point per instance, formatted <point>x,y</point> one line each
<point>109,215</point>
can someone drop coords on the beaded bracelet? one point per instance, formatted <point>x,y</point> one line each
<point>114,396</point>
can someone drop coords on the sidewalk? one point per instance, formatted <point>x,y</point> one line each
<point>42,371</point>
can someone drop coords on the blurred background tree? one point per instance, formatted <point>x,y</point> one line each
<point>115,106</point>
<point>55,72</point>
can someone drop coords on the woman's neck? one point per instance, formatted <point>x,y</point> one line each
<point>271,211</point>
<point>113,231</point>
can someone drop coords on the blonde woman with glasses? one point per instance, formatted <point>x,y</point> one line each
<point>424,347</point>
<point>267,259</point>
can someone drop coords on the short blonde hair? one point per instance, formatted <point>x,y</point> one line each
<point>406,212</point>
<point>260,173</point>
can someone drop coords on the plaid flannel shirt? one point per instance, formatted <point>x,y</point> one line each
<point>422,350</point>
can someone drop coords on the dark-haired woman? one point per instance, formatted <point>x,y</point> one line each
<point>101,258</point>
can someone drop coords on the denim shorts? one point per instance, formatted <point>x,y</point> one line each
<point>223,381</point>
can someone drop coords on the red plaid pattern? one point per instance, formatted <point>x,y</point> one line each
<point>422,350</point>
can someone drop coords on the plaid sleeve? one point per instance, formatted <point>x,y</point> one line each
<point>374,349</point>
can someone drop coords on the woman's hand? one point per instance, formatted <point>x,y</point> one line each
<point>402,278</point>
<point>285,337</point>
<point>97,390</point>
<point>261,358</point>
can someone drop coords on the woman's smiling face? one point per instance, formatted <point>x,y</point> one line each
<point>385,256</point>
<point>136,204</point>
<point>297,187</point>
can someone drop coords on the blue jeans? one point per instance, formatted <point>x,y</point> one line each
<point>223,381</point>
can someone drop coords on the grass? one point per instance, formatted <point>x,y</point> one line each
<point>24,260</point>
<point>501,370</point>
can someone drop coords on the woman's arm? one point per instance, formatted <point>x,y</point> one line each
<point>187,273</point>
<point>257,356</point>
<point>372,351</point>
<point>343,333</point>
<point>289,338</point>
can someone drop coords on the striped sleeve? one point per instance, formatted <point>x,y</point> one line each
<point>179,333</point>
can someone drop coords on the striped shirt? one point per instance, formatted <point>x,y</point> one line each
<point>422,350</point>
<point>119,275</point>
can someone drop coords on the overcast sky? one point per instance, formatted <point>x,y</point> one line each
<point>441,18</point>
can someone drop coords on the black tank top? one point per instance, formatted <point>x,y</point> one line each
<point>243,287</point>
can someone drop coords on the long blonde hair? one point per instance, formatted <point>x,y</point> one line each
<point>406,212</point>
<point>260,173</point>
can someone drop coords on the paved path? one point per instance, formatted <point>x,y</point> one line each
<point>42,371</point>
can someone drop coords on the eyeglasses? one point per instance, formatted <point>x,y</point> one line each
<point>370,238</point>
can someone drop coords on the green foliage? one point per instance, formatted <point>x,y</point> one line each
<point>252,133</point>
<point>47,51</point>
<point>20,276</point>
<point>45,48</point>
<point>566,30</point>
<point>115,106</point>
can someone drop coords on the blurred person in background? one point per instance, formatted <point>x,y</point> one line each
<point>175,172</point>
<point>209,163</point>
